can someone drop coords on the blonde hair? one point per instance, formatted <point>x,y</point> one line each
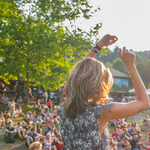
<point>35,145</point>
<point>88,84</point>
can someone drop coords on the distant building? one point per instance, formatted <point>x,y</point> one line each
<point>120,78</point>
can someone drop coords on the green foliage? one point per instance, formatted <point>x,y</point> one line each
<point>37,45</point>
<point>108,64</point>
<point>119,65</point>
<point>144,71</point>
<point>149,86</point>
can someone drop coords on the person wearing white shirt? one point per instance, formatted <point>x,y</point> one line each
<point>45,97</point>
<point>51,95</point>
<point>19,112</point>
<point>20,130</point>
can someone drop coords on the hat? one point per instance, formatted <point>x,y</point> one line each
<point>42,139</point>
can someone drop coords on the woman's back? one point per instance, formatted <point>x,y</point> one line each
<point>88,85</point>
<point>83,132</point>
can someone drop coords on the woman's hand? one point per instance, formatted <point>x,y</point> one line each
<point>107,40</point>
<point>127,57</point>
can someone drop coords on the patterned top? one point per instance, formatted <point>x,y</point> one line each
<point>82,133</point>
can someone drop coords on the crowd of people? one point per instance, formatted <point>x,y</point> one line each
<point>126,136</point>
<point>30,128</point>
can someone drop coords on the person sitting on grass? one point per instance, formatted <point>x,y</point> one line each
<point>132,131</point>
<point>42,141</point>
<point>10,132</point>
<point>7,117</point>
<point>120,131</point>
<point>42,116</point>
<point>134,142</point>
<point>126,134</point>
<point>129,127</point>
<point>51,132</point>
<point>18,112</point>
<point>20,101</point>
<point>48,143</point>
<point>140,144</point>
<point>113,144</point>
<point>31,137</point>
<point>37,122</point>
<point>50,125</point>
<point>125,145</point>
<point>58,144</point>
<point>49,104</point>
<point>20,130</point>
<point>114,123</point>
<point>2,121</point>
<point>145,121</point>
<point>32,102</point>
<point>5,99</point>
<point>115,135</point>
<point>33,114</point>
<point>25,120</point>
<point>148,142</point>
<point>35,146</point>
<point>27,127</point>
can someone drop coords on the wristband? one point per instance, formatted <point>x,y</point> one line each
<point>98,53</point>
<point>94,50</point>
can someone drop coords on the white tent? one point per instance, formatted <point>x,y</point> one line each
<point>148,91</point>
<point>132,90</point>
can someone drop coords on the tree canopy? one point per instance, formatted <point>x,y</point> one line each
<point>35,43</point>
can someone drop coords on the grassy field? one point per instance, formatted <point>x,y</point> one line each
<point>18,145</point>
<point>120,89</point>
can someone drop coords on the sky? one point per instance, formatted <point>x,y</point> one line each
<point>129,20</point>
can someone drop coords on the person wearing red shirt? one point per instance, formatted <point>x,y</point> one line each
<point>115,135</point>
<point>32,100</point>
<point>49,104</point>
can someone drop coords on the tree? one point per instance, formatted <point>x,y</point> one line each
<point>35,43</point>
<point>108,64</point>
<point>147,73</point>
<point>119,65</point>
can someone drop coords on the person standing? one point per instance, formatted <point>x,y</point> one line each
<point>19,91</point>
<point>11,106</point>
<point>84,115</point>
<point>51,95</point>
<point>1,90</point>
<point>45,95</point>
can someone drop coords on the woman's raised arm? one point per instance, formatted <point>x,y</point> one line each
<point>123,110</point>
<point>104,41</point>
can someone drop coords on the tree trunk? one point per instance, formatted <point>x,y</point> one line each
<point>27,88</point>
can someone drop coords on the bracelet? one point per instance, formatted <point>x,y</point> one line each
<point>94,50</point>
<point>98,53</point>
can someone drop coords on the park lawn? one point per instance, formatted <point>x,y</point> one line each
<point>120,89</point>
<point>24,108</point>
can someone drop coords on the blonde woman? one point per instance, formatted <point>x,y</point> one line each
<point>35,146</point>
<point>48,143</point>
<point>84,114</point>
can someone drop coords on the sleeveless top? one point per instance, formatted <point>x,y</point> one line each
<point>82,133</point>
<point>47,144</point>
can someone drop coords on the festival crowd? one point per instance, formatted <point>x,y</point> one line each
<point>126,136</point>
